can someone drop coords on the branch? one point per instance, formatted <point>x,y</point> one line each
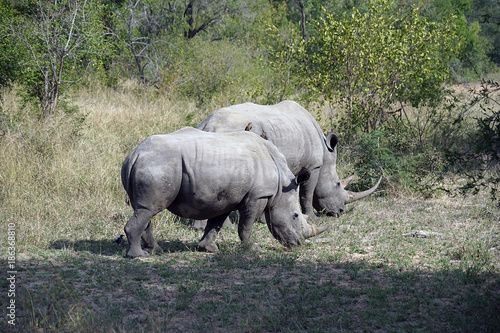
<point>70,34</point>
<point>21,36</point>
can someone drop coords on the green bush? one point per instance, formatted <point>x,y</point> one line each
<point>369,64</point>
<point>397,156</point>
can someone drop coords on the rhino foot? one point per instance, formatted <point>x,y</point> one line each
<point>154,250</point>
<point>137,253</point>
<point>313,217</point>
<point>256,247</point>
<point>207,247</point>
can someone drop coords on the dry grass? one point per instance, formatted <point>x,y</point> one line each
<point>67,169</point>
<point>61,187</point>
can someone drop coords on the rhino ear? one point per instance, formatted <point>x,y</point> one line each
<point>303,175</point>
<point>331,141</point>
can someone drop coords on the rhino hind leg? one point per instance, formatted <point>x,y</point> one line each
<point>134,229</point>
<point>229,222</point>
<point>207,242</point>
<point>199,224</point>
<point>149,241</point>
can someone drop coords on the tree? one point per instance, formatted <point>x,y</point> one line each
<point>9,52</point>
<point>146,29</point>
<point>371,65</point>
<point>129,33</point>
<point>469,22</point>
<point>200,15</point>
<point>487,13</point>
<point>477,157</point>
<point>62,38</point>
<point>302,19</point>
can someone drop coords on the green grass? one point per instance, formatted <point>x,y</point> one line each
<point>60,186</point>
<point>381,281</point>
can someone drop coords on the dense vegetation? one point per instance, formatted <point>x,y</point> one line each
<point>379,69</point>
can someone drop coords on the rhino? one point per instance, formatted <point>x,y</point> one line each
<point>202,175</point>
<point>298,136</point>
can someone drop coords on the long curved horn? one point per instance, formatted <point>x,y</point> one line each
<point>353,196</point>
<point>312,230</point>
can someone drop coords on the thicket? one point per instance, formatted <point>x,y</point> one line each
<point>373,71</point>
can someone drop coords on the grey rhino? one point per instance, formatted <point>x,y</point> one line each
<point>298,136</point>
<point>200,175</point>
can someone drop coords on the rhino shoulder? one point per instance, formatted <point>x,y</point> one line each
<point>278,158</point>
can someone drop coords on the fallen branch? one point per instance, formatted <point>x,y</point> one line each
<point>422,234</point>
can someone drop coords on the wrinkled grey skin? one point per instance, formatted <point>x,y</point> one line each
<point>202,175</point>
<point>298,136</point>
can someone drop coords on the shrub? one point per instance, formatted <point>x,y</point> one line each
<point>398,156</point>
<point>370,63</point>
<point>477,157</point>
<point>209,72</point>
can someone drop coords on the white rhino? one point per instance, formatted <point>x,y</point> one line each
<point>298,136</point>
<point>200,175</point>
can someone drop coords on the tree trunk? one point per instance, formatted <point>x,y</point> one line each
<point>303,20</point>
<point>188,13</point>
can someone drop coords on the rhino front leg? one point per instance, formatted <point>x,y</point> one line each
<point>134,229</point>
<point>306,192</point>
<point>207,242</point>
<point>150,244</point>
<point>248,215</point>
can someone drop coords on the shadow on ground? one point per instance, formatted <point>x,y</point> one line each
<point>108,248</point>
<point>244,291</point>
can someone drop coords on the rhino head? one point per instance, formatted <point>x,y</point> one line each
<point>284,218</point>
<point>330,195</point>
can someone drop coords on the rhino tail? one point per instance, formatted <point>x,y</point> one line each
<point>127,168</point>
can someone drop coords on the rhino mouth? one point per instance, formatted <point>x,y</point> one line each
<point>332,213</point>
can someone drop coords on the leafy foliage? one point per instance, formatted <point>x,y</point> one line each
<point>61,40</point>
<point>472,60</point>
<point>370,63</point>
<point>205,72</point>
<point>487,14</point>
<point>9,52</point>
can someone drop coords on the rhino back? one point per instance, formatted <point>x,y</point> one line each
<point>287,125</point>
<point>220,172</point>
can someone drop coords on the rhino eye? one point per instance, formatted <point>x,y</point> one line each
<point>295,215</point>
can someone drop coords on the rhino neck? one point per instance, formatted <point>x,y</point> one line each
<point>273,201</point>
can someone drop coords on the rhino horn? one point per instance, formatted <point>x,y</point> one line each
<point>311,230</point>
<point>346,181</point>
<point>353,196</point>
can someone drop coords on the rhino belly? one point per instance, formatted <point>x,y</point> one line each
<point>207,202</point>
